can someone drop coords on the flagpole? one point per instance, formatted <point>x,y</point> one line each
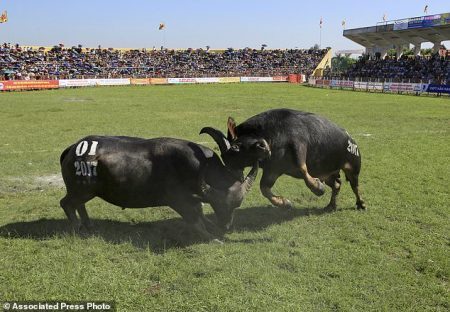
<point>164,37</point>
<point>320,40</point>
<point>320,33</point>
<point>162,28</point>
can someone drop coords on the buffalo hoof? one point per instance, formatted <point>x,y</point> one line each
<point>281,202</point>
<point>86,226</point>
<point>330,207</point>
<point>361,205</point>
<point>319,189</point>
<point>287,204</point>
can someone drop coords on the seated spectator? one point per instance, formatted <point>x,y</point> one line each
<point>75,62</point>
<point>432,69</point>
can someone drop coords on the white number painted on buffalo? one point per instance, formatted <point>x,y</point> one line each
<point>85,168</point>
<point>353,148</point>
<point>82,148</point>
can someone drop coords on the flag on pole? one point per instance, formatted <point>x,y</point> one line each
<point>161,26</point>
<point>343,23</point>
<point>425,10</point>
<point>321,22</point>
<point>384,17</point>
<point>4,17</point>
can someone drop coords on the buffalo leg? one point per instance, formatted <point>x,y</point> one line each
<point>69,207</point>
<point>211,226</point>
<point>199,227</point>
<point>84,216</point>
<point>192,214</point>
<point>334,182</point>
<point>314,184</point>
<point>266,184</point>
<point>353,178</point>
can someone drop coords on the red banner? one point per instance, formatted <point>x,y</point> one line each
<point>293,78</point>
<point>28,84</point>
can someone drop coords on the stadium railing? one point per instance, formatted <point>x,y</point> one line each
<point>382,86</point>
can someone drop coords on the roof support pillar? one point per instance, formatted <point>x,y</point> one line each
<point>417,47</point>
<point>436,46</point>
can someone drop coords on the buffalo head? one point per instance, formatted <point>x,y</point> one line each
<point>239,152</point>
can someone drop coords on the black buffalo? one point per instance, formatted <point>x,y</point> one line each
<point>135,173</point>
<point>303,145</point>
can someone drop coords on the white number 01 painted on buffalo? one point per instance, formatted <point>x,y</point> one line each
<point>82,167</point>
<point>82,147</point>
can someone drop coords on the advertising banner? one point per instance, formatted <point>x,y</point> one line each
<point>158,81</point>
<point>256,79</point>
<point>436,88</point>
<point>206,80</point>
<point>140,81</point>
<point>436,20</point>
<point>67,83</point>
<point>401,24</point>
<point>377,86</point>
<point>429,21</point>
<point>229,79</point>
<point>417,87</point>
<point>201,80</point>
<point>180,80</point>
<point>280,78</point>
<point>359,85</point>
<point>416,22</point>
<point>302,78</point>
<point>347,84</point>
<point>293,78</point>
<point>28,84</point>
<point>112,82</point>
<point>402,87</point>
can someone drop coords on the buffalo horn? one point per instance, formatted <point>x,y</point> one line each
<point>219,138</point>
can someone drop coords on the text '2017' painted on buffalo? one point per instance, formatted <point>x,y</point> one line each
<point>352,148</point>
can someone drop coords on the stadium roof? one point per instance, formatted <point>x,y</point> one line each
<point>415,30</point>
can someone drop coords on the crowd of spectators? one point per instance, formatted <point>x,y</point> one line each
<point>433,68</point>
<point>18,62</point>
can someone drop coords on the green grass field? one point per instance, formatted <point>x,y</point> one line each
<point>392,257</point>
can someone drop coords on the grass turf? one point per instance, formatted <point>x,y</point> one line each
<point>394,256</point>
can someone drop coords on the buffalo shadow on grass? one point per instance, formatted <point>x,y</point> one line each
<point>157,235</point>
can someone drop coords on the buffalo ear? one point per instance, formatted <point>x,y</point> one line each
<point>231,125</point>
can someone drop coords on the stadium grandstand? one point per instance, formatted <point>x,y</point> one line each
<point>399,35</point>
<point>58,62</point>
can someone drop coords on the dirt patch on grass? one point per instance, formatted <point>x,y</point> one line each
<point>77,99</point>
<point>50,180</point>
<point>27,184</point>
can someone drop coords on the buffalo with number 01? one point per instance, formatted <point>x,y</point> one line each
<point>136,173</point>
<point>303,145</point>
